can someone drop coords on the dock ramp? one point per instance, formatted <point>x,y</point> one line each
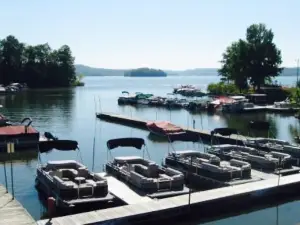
<point>123,192</point>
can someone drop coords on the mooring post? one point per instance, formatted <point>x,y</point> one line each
<point>190,185</point>
<point>5,176</point>
<point>10,150</point>
<point>279,167</point>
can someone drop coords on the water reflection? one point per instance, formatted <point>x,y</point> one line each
<point>45,107</point>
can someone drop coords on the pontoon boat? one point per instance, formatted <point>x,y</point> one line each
<point>145,175</point>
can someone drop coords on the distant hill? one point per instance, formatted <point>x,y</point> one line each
<point>91,71</point>
<point>145,72</point>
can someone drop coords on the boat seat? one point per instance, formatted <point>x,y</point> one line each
<point>139,180</point>
<point>164,176</point>
<point>63,164</point>
<point>128,159</point>
<point>69,173</point>
<point>151,171</point>
<point>200,160</point>
<point>240,164</point>
<point>83,172</point>
<point>91,182</point>
<point>280,155</point>
<point>55,173</point>
<point>63,184</point>
<point>233,168</point>
<point>176,175</point>
<point>212,168</point>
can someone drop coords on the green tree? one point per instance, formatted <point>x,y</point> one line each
<point>11,51</point>
<point>234,64</point>
<point>256,59</point>
<point>39,66</point>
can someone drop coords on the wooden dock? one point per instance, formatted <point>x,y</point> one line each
<point>172,206</point>
<point>11,211</point>
<point>123,192</point>
<point>141,124</point>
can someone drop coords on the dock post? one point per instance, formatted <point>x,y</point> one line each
<point>5,176</point>
<point>10,150</point>
<point>190,186</point>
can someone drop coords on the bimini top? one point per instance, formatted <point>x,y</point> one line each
<point>224,131</point>
<point>61,145</point>
<point>125,142</point>
<point>259,125</point>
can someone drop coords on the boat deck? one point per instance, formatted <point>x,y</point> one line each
<point>123,192</point>
<point>153,208</point>
<point>11,211</point>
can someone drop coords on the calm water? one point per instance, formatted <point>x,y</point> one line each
<point>71,114</point>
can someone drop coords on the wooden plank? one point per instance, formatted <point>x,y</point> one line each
<point>11,211</point>
<point>122,191</point>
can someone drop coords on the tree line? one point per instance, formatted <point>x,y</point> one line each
<point>254,60</point>
<point>38,66</point>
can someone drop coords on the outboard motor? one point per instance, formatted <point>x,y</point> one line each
<point>50,136</point>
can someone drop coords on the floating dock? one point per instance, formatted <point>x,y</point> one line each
<point>192,133</point>
<point>11,211</point>
<point>187,204</point>
<point>123,192</point>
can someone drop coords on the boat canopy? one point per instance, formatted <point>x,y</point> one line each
<point>61,145</point>
<point>125,92</point>
<point>259,125</point>
<point>125,142</point>
<point>224,131</point>
<point>164,128</point>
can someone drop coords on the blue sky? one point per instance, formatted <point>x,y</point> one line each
<point>167,34</point>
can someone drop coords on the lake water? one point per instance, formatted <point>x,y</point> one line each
<point>70,114</point>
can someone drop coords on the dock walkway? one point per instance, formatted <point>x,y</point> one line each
<point>168,205</point>
<point>193,133</point>
<point>11,211</point>
<point>123,192</point>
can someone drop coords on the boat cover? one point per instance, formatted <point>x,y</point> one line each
<point>15,130</point>
<point>62,145</point>
<point>164,128</point>
<point>126,142</point>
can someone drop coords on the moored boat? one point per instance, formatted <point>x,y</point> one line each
<point>164,128</point>
<point>218,102</point>
<point>208,165</point>
<point>258,159</point>
<point>70,182</point>
<point>142,174</point>
<point>270,144</point>
<point>23,135</point>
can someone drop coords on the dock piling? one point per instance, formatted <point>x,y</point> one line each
<point>5,176</point>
